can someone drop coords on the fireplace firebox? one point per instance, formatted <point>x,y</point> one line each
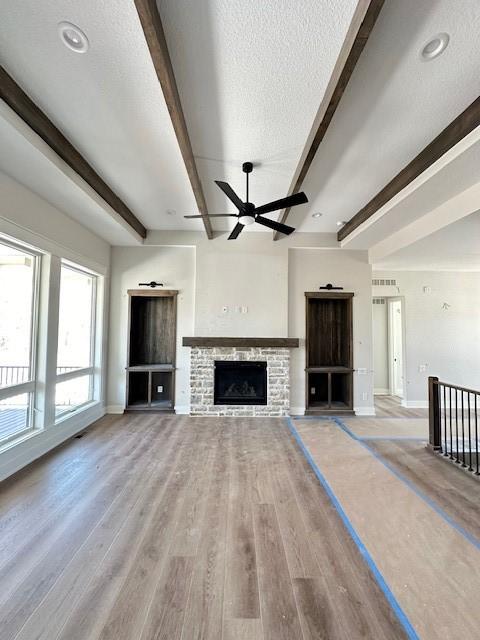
<point>240,382</point>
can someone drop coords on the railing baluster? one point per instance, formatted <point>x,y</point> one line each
<point>477,472</point>
<point>450,419</point>
<point>445,453</point>
<point>470,468</point>
<point>462,445</point>
<point>463,432</point>
<point>457,460</point>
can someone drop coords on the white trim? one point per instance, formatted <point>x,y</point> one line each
<point>38,443</point>
<point>75,373</point>
<point>415,404</point>
<point>182,409</point>
<point>17,390</point>
<point>42,244</point>
<point>115,409</point>
<point>381,392</point>
<point>364,411</point>
<point>297,411</point>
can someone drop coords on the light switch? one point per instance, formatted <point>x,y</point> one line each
<point>159,389</point>
<point>362,371</point>
<point>225,309</point>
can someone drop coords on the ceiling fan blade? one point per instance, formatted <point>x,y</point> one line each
<point>216,215</point>
<point>237,230</point>
<point>230,193</point>
<point>283,203</point>
<point>273,224</point>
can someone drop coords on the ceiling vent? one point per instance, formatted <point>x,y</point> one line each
<point>378,301</point>
<point>384,283</point>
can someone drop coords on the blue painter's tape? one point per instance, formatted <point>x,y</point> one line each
<point>431,503</point>
<point>404,621</point>
<point>393,438</point>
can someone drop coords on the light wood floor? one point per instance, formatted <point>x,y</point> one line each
<point>391,407</point>
<point>177,527</point>
<point>456,492</point>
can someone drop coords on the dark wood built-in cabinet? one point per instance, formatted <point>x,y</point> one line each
<point>151,350</point>
<point>329,353</point>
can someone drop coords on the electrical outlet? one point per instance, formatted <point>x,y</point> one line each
<point>422,368</point>
<point>244,309</point>
<point>160,389</point>
<point>312,391</point>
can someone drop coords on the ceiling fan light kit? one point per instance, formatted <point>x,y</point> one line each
<point>248,213</point>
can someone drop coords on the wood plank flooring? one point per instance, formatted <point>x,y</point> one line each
<point>171,527</point>
<point>391,407</point>
<point>456,492</point>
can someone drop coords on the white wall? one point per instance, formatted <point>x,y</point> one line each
<point>235,274</point>
<point>447,341</point>
<point>26,217</point>
<point>175,268</point>
<point>310,268</point>
<point>253,273</point>
<point>380,348</point>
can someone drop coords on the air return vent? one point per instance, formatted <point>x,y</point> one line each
<point>384,283</point>
<point>378,301</point>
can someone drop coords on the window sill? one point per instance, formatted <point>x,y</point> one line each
<point>10,444</point>
<point>75,412</point>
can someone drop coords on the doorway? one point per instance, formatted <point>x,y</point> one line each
<point>395,319</point>
<point>388,346</point>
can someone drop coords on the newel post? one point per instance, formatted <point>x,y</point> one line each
<point>435,437</point>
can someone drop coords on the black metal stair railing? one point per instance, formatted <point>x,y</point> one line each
<point>454,423</point>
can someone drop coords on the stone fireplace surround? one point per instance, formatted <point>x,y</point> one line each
<point>274,351</point>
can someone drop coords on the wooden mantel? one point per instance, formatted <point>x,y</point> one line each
<point>288,343</point>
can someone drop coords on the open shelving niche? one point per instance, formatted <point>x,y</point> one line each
<point>151,350</point>
<point>329,353</point>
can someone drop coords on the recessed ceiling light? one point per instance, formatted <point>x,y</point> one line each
<point>73,37</point>
<point>317,215</point>
<point>341,223</point>
<point>435,46</point>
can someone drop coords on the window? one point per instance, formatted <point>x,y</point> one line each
<point>76,339</point>
<point>18,319</point>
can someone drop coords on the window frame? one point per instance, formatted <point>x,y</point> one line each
<point>84,371</point>
<point>29,387</point>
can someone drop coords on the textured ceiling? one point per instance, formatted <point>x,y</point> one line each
<point>394,105</point>
<point>456,247</point>
<point>251,77</point>
<point>108,101</point>
<point>457,176</point>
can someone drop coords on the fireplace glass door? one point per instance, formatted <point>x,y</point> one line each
<point>240,382</point>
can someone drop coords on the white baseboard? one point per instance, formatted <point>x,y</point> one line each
<point>296,411</point>
<point>415,404</point>
<point>364,411</point>
<point>38,444</point>
<point>182,409</point>
<point>381,392</point>
<point>116,409</point>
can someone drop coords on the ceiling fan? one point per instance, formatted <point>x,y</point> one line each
<point>248,213</point>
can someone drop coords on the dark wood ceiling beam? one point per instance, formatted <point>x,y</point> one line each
<point>464,124</point>
<point>153,29</point>
<point>34,117</point>
<point>360,29</point>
